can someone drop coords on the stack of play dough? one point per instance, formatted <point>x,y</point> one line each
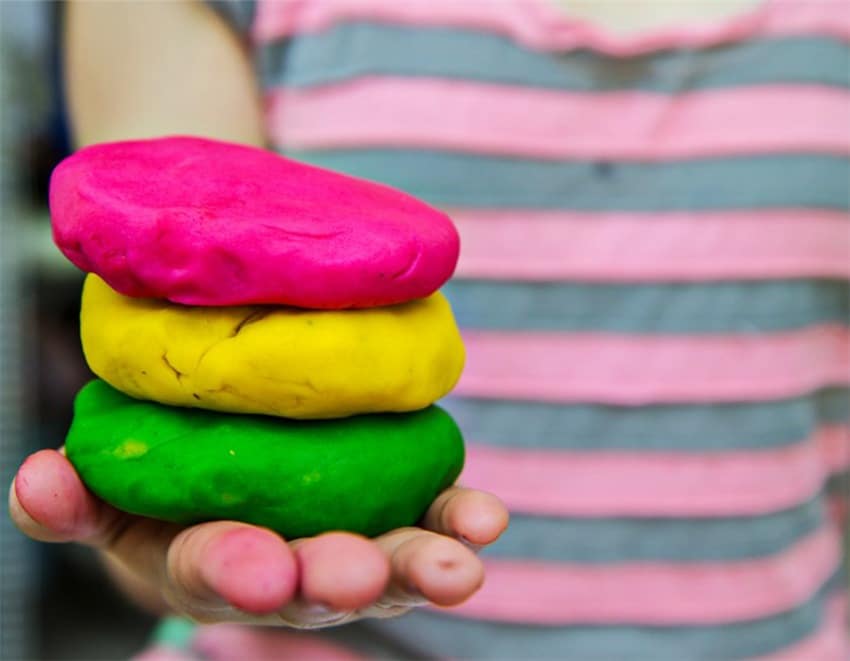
<point>269,337</point>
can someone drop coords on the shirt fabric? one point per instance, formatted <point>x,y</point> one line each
<point>653,292</point>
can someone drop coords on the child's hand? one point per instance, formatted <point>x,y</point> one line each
<point>228,571</point>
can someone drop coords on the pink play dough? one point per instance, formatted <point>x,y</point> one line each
<point>202,222</point>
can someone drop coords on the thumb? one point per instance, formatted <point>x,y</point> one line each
<point>48,502</point>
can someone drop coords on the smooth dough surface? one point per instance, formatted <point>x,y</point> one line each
<point>202,222</point>
<point>272,360</point>
<point>366,474</point>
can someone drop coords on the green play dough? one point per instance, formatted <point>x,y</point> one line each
<point>366,474</point>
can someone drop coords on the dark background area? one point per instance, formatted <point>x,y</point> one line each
<point>56,600</point>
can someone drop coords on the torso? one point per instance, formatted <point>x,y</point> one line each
<point>654,293</point>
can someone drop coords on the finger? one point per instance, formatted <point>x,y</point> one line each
<point>341,575</point>
<point>49,503</point>
<point>215,569</point>
<point>207,567</point>
<point>425,565</point>
<point>341,571</point>
<point>475,517</point>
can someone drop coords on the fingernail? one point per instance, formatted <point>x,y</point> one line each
<point>319,608</point>
<point>324,615</point>
<point>415,596</point>
<point>470,545</point>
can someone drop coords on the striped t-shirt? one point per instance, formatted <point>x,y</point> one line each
<point>653,291</point>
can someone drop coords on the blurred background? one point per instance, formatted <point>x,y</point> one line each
<point>54,600</point>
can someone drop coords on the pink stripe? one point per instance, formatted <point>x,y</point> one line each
<point>580,483</point>
<point>540,25</point>
<point>655,594</point>
<point>533,245</point>
<point>281,19</point>
<point>163,653</point>
<point>830,642</point>
<point>230,642</point>
<point>839,508</point>
<point>494,119</point>
<point>640,369</point>
<point>835,449</point>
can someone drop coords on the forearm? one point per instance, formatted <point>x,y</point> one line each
<point>139,69</point>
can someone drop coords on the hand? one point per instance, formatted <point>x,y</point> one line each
<point>225,571</point>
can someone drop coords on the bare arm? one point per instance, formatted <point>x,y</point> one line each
<point>145,69</point>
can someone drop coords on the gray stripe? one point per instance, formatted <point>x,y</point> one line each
<point>444,636</point>
<point>362,49</point>
<point>238,14</point>
<point>839,485</point>
<point>465,180</point>
<point>717,307</point>
<point>612,540</point>
<point>687,427</point>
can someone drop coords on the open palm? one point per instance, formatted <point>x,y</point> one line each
<point>226,571</point>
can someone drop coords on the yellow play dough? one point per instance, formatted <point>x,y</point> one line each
<point>272,360</point>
